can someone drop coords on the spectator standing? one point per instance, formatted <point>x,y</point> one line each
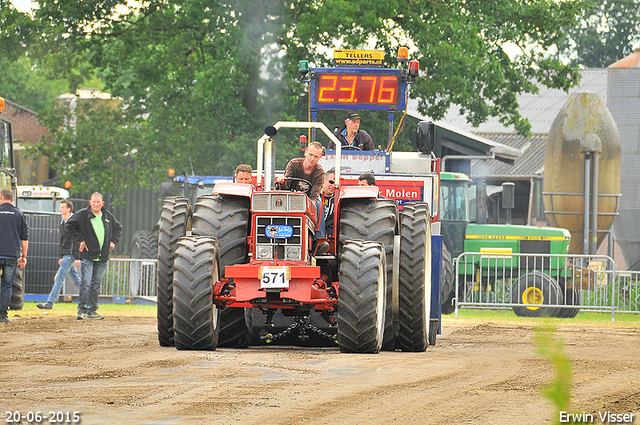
<point>97,231</point>
<point>69,258</point>
<point>14,233</point>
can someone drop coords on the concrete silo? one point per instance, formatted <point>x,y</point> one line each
<point>582,171</point>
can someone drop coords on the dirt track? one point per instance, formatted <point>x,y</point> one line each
<point>114,372</point>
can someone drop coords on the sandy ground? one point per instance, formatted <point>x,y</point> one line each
<point>114,372</point>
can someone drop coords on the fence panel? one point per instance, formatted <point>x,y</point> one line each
<point>544,284</point>
<point>44,252</point>
<point>130,277</point>
<point>627,298</point>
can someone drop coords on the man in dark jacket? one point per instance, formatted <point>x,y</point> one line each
<point>69,258</point>
<point>97,231</point>
<point>351,135</point>
<point>14,237</point>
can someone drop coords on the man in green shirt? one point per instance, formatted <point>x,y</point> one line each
<point>97,231</point>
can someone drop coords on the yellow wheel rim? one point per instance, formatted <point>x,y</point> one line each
<point>532,296</point>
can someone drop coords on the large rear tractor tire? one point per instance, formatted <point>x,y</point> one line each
<point>175,221</point>
<point>415,277</point>
<point>374,220</point>
<point>17,292</point>
<point>533,291</point>
<point>362,301</point>
<point>197,268</point>
<point>448,288</point>
<point>144,244</point>
<point>226,218</point>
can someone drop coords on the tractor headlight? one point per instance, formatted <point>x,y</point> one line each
<point>293,253</point>
<point>264,252</point>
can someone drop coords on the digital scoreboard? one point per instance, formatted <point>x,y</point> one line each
<point>364,88</point>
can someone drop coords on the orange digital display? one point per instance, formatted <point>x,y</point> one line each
<point>357,89</point>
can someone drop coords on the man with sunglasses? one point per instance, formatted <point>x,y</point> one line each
<point>326,219</point>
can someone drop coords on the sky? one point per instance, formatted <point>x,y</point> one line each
<point>23,5</point>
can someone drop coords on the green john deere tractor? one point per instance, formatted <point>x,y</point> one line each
<point>537,282</point>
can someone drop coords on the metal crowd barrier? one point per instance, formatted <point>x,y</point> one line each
<point>531,284</point>
<point>544,284</point>
<point>628,294</point>
<point>130,277</point>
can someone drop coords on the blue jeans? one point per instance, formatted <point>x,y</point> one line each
<point>8,267</point>
<point>66,267</point>
<point>92,274</point>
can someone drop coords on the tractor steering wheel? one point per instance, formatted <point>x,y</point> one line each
<point>297,187</point>
<point>351,148</point>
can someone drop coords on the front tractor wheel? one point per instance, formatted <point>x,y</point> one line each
<point>226,218</point>
<point>175,221</point>
<point>197,268</point>
<point>362,300</point>
<point>414,291</point>
<point>533,291</point>
<point>374,220</point>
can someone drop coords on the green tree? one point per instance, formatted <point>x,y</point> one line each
<point>17,31</point>
<point>106,164</point>
<point>24,85</point>
<point>199,80</point>
<point>608,33</point>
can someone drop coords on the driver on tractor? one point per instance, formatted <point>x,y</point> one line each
<point>351,136</point>
<point>305,174</point>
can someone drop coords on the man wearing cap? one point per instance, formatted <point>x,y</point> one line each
<point>351,134</point>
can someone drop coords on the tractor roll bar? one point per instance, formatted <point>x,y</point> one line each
<point>268,166</point>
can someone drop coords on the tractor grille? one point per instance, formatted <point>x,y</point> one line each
<point>289,202</point>
<point>288,248</point>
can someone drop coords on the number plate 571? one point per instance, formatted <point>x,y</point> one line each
<point>274,277</point>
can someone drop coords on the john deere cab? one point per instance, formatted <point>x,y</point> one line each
<point>538,278</point>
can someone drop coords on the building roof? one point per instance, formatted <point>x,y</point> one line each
<point>631,61</point>
<point>540,109</point>
<point>474,143</point>
<point>16,106</point>
<point>529,164</point>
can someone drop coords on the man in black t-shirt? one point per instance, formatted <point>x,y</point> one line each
<point>15,238</point>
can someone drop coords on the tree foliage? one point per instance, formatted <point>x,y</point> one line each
<point>24,85</point>
<point>608,33</point>
<point>199,80</point>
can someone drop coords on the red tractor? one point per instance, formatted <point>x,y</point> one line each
<point>249,247</point>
